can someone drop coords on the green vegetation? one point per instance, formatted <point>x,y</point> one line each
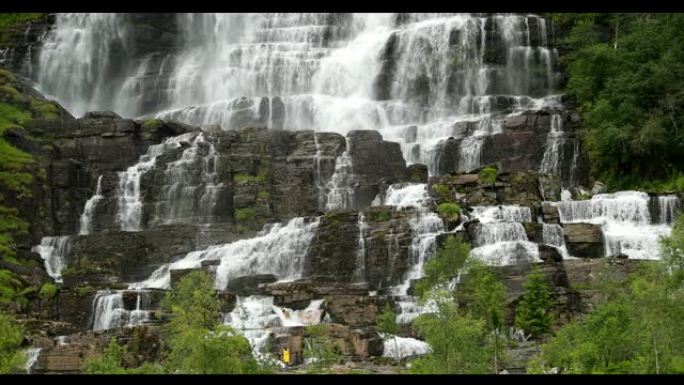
<point>464,332</point>
<point>387,324</point>
<point>320,350</point>
<point>448,262</point>
<point>379,215</point>
<point>245,214</point>
<point>18,169</point>
<point>626,72</point>
<point>488,174</point>
<point>533,313</point>
<point>11,25</point>
<point>197,342</point>
<point>12,358</point>
<point>260,177</point>
<point>442,191</point>
<point>152,123</point>
<point>48,290</point>
<point>264,195</point>
<point>634,330</point>
<point>449,210</point>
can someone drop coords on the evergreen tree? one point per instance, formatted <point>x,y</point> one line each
<point>534,311</point>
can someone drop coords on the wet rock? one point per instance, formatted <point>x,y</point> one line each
<point>249,284</point>
<point>355,311</point>
<point>549,253</point>
<point>550,213</point>
<point>417,173</point>
<point>584,240</point>
<point>599,188</point>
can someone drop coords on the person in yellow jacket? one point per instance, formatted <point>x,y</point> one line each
<point>286,356</point>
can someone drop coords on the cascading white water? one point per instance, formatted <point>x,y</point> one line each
<point>551,162</point>
<point>280,250</point>
<point>501,238</point>
<point>360,270</point>
<point>668,205</point>
<point>552,235</point>
<point>32,355</point>
<point>340,188</point>
<point>74,62</point>
<point>329,72</point>
<point>256,317</point>
<point>403,347</point>
<point>129,213</point>
<point>53,251</point>
<point>425,227</point>
<point>191,189</point>
<point>109,312</point>
<point>625,219</point>
<point>87,216</point>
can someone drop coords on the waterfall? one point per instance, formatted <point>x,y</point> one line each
<point>360,270</point>
<point>32,355</point>
<point>191,189</point>
<point>74,61</point>
<point>625,219</point>
<point>87,216</point>
<point>256,317</point>
<point>328,72</point>
<point>554,140</point>
<point>500,238</point>
<point>340,188</point>
<point>129,213</point>
<point>552,235</point>
<point>425,226</point>
<point>53,251</point>
<point>279,250</point>
<point>668,205</point>
<point>403,347</point>
<point>109,312</point>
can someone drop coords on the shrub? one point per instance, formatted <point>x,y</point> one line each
<point>449,210</point>
<point>48,291</point>
<point>488,175</point>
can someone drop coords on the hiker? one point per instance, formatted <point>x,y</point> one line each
<point>286,357</point>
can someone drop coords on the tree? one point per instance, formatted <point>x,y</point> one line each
<point>458,342</point>
<point>445,266</point>
<point>11,356</point>
<point>533,313</point>
<point>199,343</point>
<point>482,295</point>
<point>112,362</point>
<point>320,351</point>
<point>387,324</point>
<point>194,303</point>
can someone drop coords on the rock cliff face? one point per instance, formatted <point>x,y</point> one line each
<point>307,208</point>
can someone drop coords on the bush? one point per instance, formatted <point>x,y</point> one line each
<point>449,210</point>
<point>48,291</point>
<point>11,334</point>
<point>245,214</point>
<point>488,175</point>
